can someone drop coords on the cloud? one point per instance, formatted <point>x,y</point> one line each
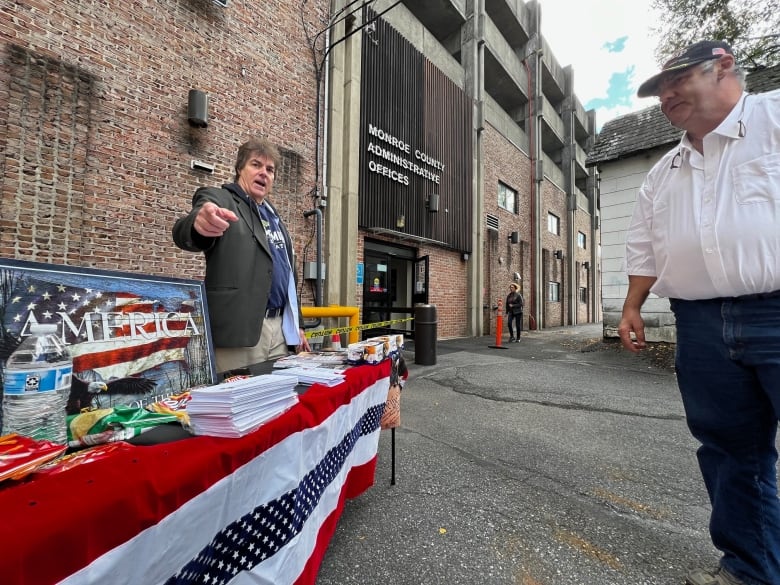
<point>619,92</point>
<point>611,58</point>
<point>616,46</point>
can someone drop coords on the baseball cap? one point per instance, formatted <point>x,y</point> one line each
<point>696,53</point>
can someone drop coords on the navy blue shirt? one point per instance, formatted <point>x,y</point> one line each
<point>277,298</point>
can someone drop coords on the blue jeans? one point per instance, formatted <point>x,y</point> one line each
<point>728,371</point>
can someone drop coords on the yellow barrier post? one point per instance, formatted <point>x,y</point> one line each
<point>342,311</point>
<point>336,311</point>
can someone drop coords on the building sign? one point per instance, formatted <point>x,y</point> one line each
<point>399,154</point>
<point>416,144</point>
<point>360,272</point>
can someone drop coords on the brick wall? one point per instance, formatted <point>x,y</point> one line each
<point>448,290</point>
<point>554,201</point>
<point>506,163</point>
<point>584,311</point>
<point>94,134</point>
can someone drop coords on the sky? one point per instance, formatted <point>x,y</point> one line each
<point>610,46</point>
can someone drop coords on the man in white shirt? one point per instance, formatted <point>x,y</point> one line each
<point>706,234</point>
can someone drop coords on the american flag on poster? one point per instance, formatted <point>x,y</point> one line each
<point>129,334</point>
<point>113,327</point>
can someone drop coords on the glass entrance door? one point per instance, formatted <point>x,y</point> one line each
<point>377,292</point>
<point>388,293</point>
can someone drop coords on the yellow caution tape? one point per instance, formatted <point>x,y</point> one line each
<point>340,330</point>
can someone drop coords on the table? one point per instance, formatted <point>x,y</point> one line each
<point>258,509</point>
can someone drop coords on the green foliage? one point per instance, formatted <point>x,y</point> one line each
<point>749,26</point>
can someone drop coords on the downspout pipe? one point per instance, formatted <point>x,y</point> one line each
<point>532,301</point>
<point>536,300</point>
<point>477,268</point>
<point>317,212</point>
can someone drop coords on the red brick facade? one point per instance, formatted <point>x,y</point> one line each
<point>96,143</point>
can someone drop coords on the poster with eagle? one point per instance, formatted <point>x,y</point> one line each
<point>133,339</point>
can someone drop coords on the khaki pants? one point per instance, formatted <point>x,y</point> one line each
<point>271,346</point>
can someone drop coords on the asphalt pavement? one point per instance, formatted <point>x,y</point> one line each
<point>559,460</point>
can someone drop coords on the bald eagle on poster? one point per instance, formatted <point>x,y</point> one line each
<point>85,391</point>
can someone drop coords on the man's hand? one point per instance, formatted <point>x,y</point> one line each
<point>304,344</point>
<point>212,221</point>
<point>632,330</point>
<point>632,327</point>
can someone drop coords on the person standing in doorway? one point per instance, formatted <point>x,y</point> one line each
<point>706,233</point>
<point>250,276</point>
<point>514,312</point>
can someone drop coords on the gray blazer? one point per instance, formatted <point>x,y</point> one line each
<point>239,266</point>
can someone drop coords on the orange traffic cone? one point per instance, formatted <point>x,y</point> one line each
<point>499,327</point>
<point>335,342</point>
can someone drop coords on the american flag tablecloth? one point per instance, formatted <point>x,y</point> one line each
<point>260,509</point>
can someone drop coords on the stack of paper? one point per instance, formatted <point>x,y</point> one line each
<point>336,360</point>
<point>234,409</point>
<point>311,375</point>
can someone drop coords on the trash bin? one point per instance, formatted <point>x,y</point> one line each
<point>425,335</point>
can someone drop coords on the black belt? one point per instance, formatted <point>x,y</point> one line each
<point>271,313</point>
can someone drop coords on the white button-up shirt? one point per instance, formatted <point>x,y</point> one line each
<point>708,225</point>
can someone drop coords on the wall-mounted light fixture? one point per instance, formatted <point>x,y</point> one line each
<point>370,31</point>
<point>400,221</point>
<point>432,202</point>
<point>558,254</point>
<point>198,108</point>
<point>514,238</point>
<point>586,265</point>
<point>464,256</point>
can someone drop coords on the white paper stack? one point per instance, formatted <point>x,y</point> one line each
<point>234,409</point>
<point>312,359</point>
<point>311,375</point>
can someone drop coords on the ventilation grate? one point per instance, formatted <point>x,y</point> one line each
<point>492,222</point>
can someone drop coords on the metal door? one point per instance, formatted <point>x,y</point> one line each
<point>420,292</point>
<point>377,291</point>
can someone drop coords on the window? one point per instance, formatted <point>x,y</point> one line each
<point>554,292</point>
<point>553,224</point>
<point>583,295</point>
<point>507,198</point>
<point>581,240</point>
